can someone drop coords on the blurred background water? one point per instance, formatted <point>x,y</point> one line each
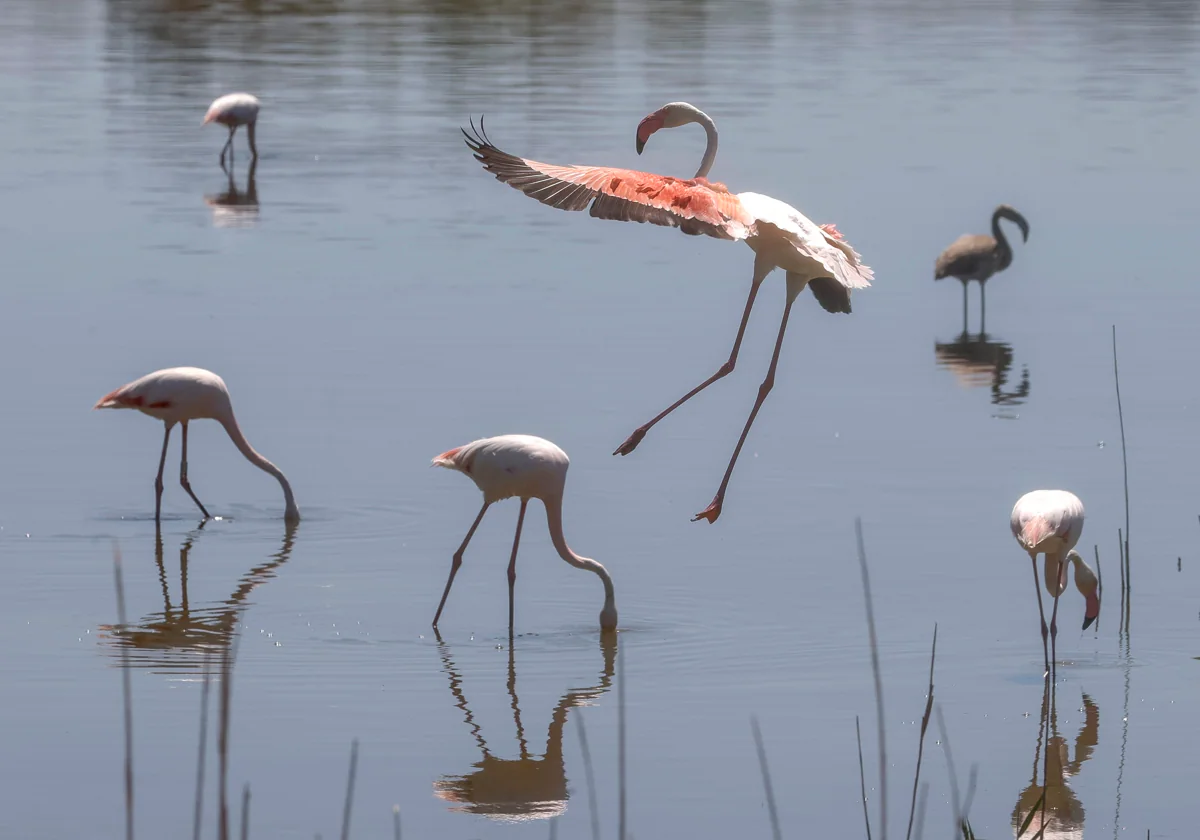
<point>373,298</point>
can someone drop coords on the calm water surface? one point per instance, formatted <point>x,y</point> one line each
<point>373,298</point>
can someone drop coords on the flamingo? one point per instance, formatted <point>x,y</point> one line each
<point>975,256</point>
<point>816,256</point>
<point>180,395</point>
<point>527,467</point>
<point>1050,522</point>
<point>233,110</point>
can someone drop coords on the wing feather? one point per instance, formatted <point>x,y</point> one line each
<point>695,206</point>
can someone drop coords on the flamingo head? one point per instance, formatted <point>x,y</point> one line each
<point>1088,586</point>
<point>649,124</point>
<point>671,115</point>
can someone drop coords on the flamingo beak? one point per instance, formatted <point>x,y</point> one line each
<point>646,127</point>
<point>1087,622</point>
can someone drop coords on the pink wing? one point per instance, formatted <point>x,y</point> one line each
<point>694,206</point>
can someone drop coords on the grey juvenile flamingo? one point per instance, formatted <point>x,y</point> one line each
<point>976,256</point>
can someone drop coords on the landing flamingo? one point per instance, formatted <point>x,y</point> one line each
<point>180,395</point>
<point>527,467</point>
<point>975,256</point>
<point>780,236</point>
<point>233,110</point>
<point>1050,522</point>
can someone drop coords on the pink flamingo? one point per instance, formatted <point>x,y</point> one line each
<point>1050,522</point>
<point>180,395</point>
<point>781,236</point>
<point>233,110</point>
<point>527,467</point>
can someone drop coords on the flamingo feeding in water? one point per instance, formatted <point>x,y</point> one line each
<point>976,256</point>
<point>527,467</point>
<point>233,110</point>
<point>1050,522</point>
<point>180,395</point>
<point>780,236</point>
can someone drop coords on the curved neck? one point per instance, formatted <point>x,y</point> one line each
<point>1055,572</point>
<point>1002,246</point>
<point>291,513</point>
<point>554,521</point>
<point>710,151</point>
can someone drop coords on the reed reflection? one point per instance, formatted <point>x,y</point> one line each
<point>527,787</point>
<point>1060,814</point>
<point>180,637</point>
<point>234,207</point>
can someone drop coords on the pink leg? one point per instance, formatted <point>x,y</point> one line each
<point>512,566</point>
<point>1037,588</point>
<point>158,482</point>
<point>761,270</point>
<point>714,510</point>
<point>457,561</point>
<point>1060,582</point>
<point>183,478</point>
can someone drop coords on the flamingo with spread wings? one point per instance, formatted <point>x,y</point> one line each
<point>813,256</point>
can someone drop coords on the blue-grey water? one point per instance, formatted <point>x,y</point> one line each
<point>374,298</point>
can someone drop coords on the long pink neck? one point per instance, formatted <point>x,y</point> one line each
<point>291,513</point>
<point>555,523</point>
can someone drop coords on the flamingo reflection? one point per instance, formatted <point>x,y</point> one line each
<point>179,637</point>
<point>1061,814</point>
<point>976,360</point>
<point>523,788</point>
<point>234,207</point>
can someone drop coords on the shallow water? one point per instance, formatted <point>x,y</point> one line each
<point>385,300</point>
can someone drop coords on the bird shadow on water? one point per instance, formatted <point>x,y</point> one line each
<point>181,636</point>
<point>235,207</point>
<point>527,787</point>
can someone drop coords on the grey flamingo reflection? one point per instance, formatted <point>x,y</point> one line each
<point>526,787</point>
<point>234,207</point>
<point>1061,814</point>
<point>180,636</point>
<point>977,360</point>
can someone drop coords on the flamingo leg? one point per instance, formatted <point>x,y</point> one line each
<point>158,482</point>
<point>964,285</point>
<point>761,270</point>
<point>457,561</point>
<point>982,306</point>
<point>1037,586</point>
<point>795,286</point>
<point>228,147</point>
<point>183,478</point>
<point>512,565</point>
<point>1059,585</point>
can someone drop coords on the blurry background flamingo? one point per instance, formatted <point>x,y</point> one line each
<point>233,110</point>
<point>780,236</point>
<point>976,256</point>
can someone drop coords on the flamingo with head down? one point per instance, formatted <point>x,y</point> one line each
<point>1050,522</point>
<point>813,256</point>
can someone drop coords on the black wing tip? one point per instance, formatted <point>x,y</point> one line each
<point>476,138</point>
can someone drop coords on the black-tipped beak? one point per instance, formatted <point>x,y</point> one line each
<point>1087,622</point>
<point>641,144</point>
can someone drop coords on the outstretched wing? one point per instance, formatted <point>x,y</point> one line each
<point>694,206</point>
